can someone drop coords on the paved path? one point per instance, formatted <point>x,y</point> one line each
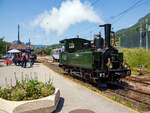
<point>73,96</point>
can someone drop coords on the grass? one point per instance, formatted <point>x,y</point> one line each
<point>27,90</point>
<point>137,56</point>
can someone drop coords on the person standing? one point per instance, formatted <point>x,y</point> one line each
<point>24,60</point>
<point>27,57</point>
<point>31,59</point>
<point>98,42</point>
<point>18,60</point>
<point>21,60</point>
<point>35,57</point>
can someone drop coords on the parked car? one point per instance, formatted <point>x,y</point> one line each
<point>4,57</point>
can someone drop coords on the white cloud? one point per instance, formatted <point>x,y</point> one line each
<point>37,36</point>
<point>130,25</point>
<point>70,12</point>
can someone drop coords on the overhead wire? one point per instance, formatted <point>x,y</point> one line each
<point>120,15</point>
<point>136,3</point>
<point>127,10</point>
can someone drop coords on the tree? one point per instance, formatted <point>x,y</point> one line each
<point>3,45</point>
<point>48,51</point>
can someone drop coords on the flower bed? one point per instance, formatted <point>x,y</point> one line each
<point>27,90</point>
<point>43,105</point>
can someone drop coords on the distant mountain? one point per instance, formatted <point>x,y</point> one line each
<point>135,28</point>
<point>40,46</point>
<point>53,46</point>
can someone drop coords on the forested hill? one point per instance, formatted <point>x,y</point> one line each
<point>135,28</point>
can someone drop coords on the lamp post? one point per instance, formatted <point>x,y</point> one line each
<point>141,35</point>
<point>146,34</point>
<point>140,69</point>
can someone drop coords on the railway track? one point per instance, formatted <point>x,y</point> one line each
<point>143,81</point>
<point>143,72</point>
<point>131,93</point>
<point>138,98</point>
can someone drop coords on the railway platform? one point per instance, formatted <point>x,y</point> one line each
<point>73,96</point>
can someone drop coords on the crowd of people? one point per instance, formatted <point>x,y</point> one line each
<point>22,59</point>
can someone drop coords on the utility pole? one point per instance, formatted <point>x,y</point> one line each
<point>146,34</point>
<point>18,33</point>
<point>141,35</point>
<point>91,37</point>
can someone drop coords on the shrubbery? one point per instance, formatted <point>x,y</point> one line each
<point>27,90</point>
<point>137,56</point>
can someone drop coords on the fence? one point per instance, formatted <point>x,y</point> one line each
<point>133,40</point>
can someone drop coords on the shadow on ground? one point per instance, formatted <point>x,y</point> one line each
<point>60,105</point>
<point>37,64</point>
<point>1,65</point>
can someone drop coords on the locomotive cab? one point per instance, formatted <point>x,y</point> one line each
<point>76,44</point>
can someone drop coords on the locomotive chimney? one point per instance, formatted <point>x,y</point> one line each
<point>107,28</point>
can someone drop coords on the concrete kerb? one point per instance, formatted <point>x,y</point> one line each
<point>44,105</point>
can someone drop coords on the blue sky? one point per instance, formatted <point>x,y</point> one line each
<point>26,12</point>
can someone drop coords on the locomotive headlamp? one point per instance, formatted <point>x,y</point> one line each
<point>126,65</point>
<point>110,66</point>
<point>140,66</point>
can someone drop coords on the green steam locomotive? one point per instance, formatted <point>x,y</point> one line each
<point>95,61</point>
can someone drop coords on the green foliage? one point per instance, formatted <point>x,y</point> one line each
<point>54,46</point>
<point>48,51</point>
<point>117,41</point>
<point>137,56</point>
<point>3,46</point>
<point>27,90</point>
<point>51,47</point>
<point>36,51</point>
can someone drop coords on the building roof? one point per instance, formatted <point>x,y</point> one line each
<point>74,39</point>
<point>17,42</point>
<point>20,46</point>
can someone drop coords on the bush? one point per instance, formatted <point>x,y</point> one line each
<point>27,90</point>
<point>137,56</point>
